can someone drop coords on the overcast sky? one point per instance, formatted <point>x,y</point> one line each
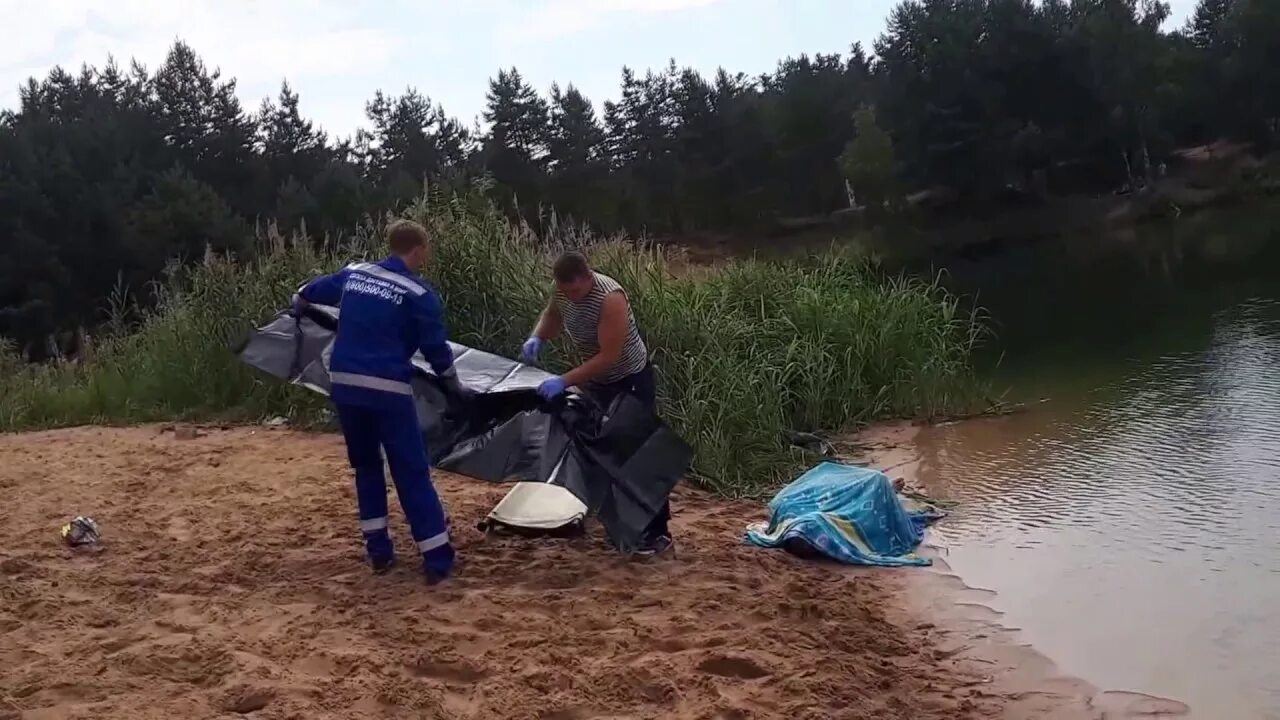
<point>336,53</point>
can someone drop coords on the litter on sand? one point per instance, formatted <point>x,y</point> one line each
<point>849,514</point>
<point>81,532</point>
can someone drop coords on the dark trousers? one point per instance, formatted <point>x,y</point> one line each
<point>644,388</point>
<point>641,386</point>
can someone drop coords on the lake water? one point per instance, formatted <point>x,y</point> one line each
<point>1129,521</point>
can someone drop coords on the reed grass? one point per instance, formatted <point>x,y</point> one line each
<point>746,354</point>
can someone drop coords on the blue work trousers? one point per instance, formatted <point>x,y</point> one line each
<point>391,425</point>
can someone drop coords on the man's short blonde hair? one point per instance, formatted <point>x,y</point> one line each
<point>404,236</point>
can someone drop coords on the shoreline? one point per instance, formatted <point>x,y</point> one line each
<point>1203,184</point>
<point>966,623</point>
<point>230,580</point>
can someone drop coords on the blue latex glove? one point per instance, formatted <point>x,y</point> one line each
<point>530,350</point>
<point>551,388</point>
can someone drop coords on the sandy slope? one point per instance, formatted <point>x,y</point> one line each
<point>231,582</point>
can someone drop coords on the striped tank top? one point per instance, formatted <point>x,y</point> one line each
<point>582,323</point>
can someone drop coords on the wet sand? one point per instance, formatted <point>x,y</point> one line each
<point>230,583</point>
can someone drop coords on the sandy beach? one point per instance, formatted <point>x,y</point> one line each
<point>230,583</point>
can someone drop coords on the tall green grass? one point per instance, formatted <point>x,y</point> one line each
<point>746,353</point>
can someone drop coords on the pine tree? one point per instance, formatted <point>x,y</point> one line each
<point>205,127</point>
<point>515,150</point>
<point>1206,20</point>
<point>575,158</point>
<point>291,145</point>
<point>412,140</point>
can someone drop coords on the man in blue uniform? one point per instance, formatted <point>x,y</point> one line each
<point>388,313</point>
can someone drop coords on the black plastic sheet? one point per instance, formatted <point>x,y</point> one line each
<point>618,458</point>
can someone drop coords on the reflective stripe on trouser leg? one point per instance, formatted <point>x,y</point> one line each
<point>432,543</point>
<point>407,455</point>
<point>373,524</point>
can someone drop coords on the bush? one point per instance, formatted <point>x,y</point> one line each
<point>745,354</point>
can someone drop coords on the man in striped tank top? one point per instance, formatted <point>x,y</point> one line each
<point>592,309</point>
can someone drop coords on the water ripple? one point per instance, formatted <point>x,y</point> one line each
<point>1137,522</point>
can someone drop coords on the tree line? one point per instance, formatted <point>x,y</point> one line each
<point>109,174</point>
